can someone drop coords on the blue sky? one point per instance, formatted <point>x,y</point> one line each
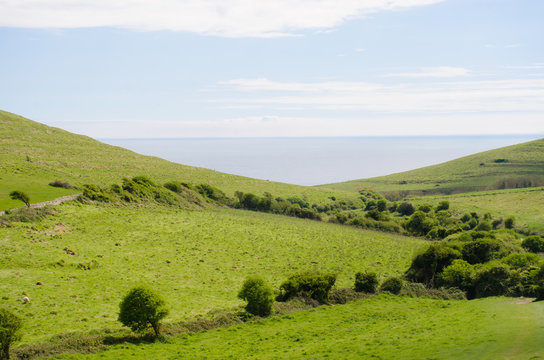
<point>234,68</point>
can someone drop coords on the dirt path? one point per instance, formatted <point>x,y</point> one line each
<point>56,201</point>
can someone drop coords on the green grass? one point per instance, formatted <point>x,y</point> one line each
<point>196,259</point>
<point>526,205</point>
<point>382,327</point>
<point>461,175</point>
<point>32,155</point>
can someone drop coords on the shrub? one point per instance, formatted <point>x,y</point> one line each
<point>428,264</point>
<point>313,285</point>
<point>62,184</point>
<point>142,308</point>
<point>259,296</point>
<point>521,260</point>
<point>483,226</point>
<point>366,282</point>
<point>10,326</point>
<point>419,223</point>
<point>392,285</point>
<point>509,222</point>
<point>173,186</point>
<point>426,208</point>
<point>406,209</point>
<point>381,204</point>
<point>443,205</point>
<point>491,281</point>
<point>19,195</point>
<point>533,244</point>
<point>481,250</point>
<point>458,274</point>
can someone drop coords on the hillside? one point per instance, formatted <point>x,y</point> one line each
<point>513,166</point>
<point>32,155</point>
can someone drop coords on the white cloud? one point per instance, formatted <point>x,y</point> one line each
<point>438,72</point>
<point>535,66</point>
<point>229,18</point>
<point>521,95</point>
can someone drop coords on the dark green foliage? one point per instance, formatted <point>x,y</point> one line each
<point>377,215</point>
<point>96,193</point>
<point>312,285</point>
<point>496,223</point>
<point>10,332</point>
<point>491,281</point>
<point>465,218</point>
<point>481,250</point>
<point>19,195</point>
<point>459,274</point>
<point>142,308</point>
<point>259,296</point>
<point>295,200</point>
<point>427,265</point>
<point>483,226</point>
<point>419,223</point>
<point>426,208</point>
<point>371,205</point>
<point>212,193</point>
<point>419,290</point>
<point>381,205</point>
<point>406,209</point>
<point>509,222</point>
<point>533,244</point>
<point>369,223</point>
<point>62,184</point>
<point>521,260</point>
<point>366,282</point>
<point>443,205</point>
<point>392,284</point>
<point>27,214</point>
<point>173,186</point>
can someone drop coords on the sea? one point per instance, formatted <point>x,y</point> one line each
<point>317,160</point>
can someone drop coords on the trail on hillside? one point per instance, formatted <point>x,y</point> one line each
<point>56,201</point>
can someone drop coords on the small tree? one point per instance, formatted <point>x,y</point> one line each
<point>19,195</point>
<point>533,243</point>
<point>142,308</point>
<point>259,296</point>
<point>366,282</point>
<point>10,326</point>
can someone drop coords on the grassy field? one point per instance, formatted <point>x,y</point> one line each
<point>526,205</point>
<point>32,155</point>
<point>382,327</point>
<point>196,259</point>
<point>524,162</point>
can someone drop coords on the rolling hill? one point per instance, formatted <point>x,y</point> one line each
<point>32,155</point>
<point>513,166</point>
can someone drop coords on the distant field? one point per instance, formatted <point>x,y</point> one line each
<point>383,327</point>
<point>520,165</point>
<point>196,259</point>
<point>32,155</point>
<point>526,205</point>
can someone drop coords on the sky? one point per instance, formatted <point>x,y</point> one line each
<point>240,68</point>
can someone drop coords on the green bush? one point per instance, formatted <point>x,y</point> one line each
<point>62,184</point>
<point>481,250</point>
<point>406,209</point>
<point>426,208</point>
<point>433,260</point>
<point>458,275</point>
<point>173,186</point>
<point>10,331</point>
<point>312,285</point>
<point>509,222</point>
<point>419,223</point>
<point>381,205</point>
<point>366,282</point>
<point>392,284</point>
<point>142,308</point>
<point>491,281</point>
<point>533,244</point>
<point>259,296</point>
<point>443,205</point>
<point>521,260</point>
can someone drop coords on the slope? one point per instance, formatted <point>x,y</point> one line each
<point>513,166</point>
<point>32,155</point>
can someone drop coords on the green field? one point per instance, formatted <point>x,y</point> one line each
<point>526,205</point>
<point>32,155</point>
<point>382,327</point>
<point>196,259</point>
<point>516,165</point>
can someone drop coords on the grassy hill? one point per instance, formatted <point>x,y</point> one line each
<point>382,327</point>
<point>32,155</point>
<point>513,166</point>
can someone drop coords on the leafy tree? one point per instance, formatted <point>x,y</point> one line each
<point>19,195</point>
<point>491,281</point>
<point>366,282</point>
<point>313,285</point>
<point>142,308</point>
<point>381,204</point>
<point>481,250</point>
<point>259,296</point>
<point>10,326</point>
<point>458,274</point>
<point>428,264</point>
<point>443,205</point>
<point>419,223</point>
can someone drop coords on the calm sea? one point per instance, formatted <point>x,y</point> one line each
<point>312,161</point>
